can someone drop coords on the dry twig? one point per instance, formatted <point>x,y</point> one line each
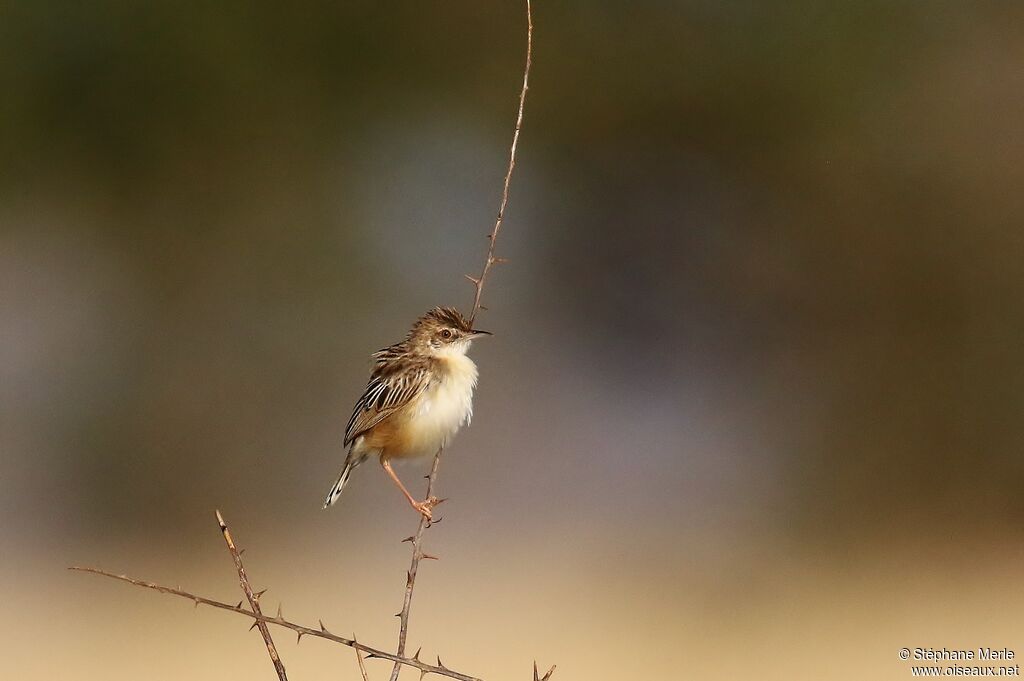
<point>410,577</point>
<point>299,629</point>
<point>491,259</point>
<point>359,660</point>
<point>253,598</point>
<point>478,283</point>
<point>538,677</point>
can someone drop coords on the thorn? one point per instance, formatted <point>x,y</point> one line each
<point>322,627</point>
<point>417,655</point>
<point>298,637</point>
<point>239,606</point>
<point>240,552</point>
<point>427,556</point>
<point>279,616</point>
<point>484,308</point>
<point>439,663</point>
<point>500,261</point>
<point>196,606</point>
<point>259,594</point>
<point>254,623</point>
<point>410,539</point>
<point>472,279</point>
<point>423,672</point>
<point>370,656</point>
<point>535,676</point>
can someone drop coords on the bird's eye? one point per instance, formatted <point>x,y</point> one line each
<point>446,333</point>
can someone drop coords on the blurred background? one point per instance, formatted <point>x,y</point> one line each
<point>753,404</point>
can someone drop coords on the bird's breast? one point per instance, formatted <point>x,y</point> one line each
<point>442,408</point>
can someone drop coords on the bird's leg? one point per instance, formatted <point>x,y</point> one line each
<point>422,507</point>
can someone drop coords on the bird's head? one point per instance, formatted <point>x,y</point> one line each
<point>443,331</point>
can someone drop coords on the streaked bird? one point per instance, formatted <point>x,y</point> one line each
<point>419,394</point>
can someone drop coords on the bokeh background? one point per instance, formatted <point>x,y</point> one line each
<point>753,404</point>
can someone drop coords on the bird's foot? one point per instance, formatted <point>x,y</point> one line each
<point>426,507</point>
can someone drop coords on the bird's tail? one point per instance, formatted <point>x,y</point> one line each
<point>342,480</point>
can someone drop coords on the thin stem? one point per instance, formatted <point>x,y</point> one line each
<point>362,667</point>
<point>491,260</point>
<point>281,622</point>
<point>478,283</point>
<point>417,555</point>
<point>253,598</point>
<point>546,677</point>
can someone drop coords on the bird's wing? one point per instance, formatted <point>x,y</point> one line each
<point>390,388</point>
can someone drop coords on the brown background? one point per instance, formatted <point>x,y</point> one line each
<point>752,409</point>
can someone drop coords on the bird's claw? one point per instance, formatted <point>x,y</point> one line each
<point>425,507</point>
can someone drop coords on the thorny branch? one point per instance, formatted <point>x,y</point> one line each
<point>478,284</point>
<point>491,259</point>
<point>253,598</point>
<point>279,620</point>
<point>410,577</point>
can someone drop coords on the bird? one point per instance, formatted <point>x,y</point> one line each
<point>420,393</point>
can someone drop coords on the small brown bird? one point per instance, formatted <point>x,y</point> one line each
<point>419,395</point>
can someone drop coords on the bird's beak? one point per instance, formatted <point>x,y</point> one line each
<point>476,333</point>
